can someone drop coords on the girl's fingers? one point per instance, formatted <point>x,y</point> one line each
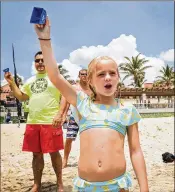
<point>47,21</point>
<point>39,26</point>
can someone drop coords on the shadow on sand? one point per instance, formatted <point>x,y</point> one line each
<point>51,187</point>
<point>73,165</point>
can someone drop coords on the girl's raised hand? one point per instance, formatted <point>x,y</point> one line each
<point>43,31</point>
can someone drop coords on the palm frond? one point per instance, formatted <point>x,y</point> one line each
<point>135,68</point>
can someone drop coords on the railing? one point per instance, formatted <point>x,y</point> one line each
<point>154,105</point>
<point>137,105</point>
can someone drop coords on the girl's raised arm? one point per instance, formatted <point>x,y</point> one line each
<point>66,89</point>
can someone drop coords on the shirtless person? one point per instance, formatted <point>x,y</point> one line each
<point>72,126</point>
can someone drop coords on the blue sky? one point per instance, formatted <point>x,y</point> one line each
<point>77,24</point>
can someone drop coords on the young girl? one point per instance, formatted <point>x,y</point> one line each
<point>103,125</point>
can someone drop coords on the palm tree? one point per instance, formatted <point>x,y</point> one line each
<point>157,83</point>
<point>135,68</point>
<point>120,84</point>
<point>167,76</point>
<point>63,72</point>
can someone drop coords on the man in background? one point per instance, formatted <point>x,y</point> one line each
<point>72,125</point>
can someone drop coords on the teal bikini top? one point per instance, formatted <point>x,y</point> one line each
<point>105,116</point>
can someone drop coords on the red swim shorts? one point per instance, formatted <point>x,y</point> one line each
<point>43,138</point>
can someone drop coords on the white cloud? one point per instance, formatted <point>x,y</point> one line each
<point>3,82</point>
<point>167,55</point>
<point>33,70</point>
<point>117,49</point>
<point>153,72</point>
<point>72,68</point>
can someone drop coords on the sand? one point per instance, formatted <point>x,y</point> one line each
<point>156,135</point>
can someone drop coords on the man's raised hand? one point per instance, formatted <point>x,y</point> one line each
<point>9,78</point>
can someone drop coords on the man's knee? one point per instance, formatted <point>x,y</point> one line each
<point>37,156</point>
<point>55,154</point>
<point>38,162</point>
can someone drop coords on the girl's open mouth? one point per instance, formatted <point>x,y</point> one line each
<point>108,86</point>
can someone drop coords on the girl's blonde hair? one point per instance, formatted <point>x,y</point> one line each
<point>91,68</point>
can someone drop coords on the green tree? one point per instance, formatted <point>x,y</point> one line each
<point>167,76</point>
<point>120,84</point>
<point>135,68</point>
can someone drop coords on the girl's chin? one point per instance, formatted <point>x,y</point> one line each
<point>107,93</point>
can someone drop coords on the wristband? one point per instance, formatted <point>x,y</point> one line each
<point>44,39</point>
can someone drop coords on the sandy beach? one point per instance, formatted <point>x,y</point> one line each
<point>156,136</point>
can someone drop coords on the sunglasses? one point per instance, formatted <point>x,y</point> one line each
<point>83,74</point>
<point>38,60</point>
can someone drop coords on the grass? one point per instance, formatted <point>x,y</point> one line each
<point>2,120</point>
<point>156,115</point>
<point>14,119</point>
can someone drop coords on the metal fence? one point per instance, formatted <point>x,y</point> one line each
<point>154,105</point>
<point>142,108</point>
